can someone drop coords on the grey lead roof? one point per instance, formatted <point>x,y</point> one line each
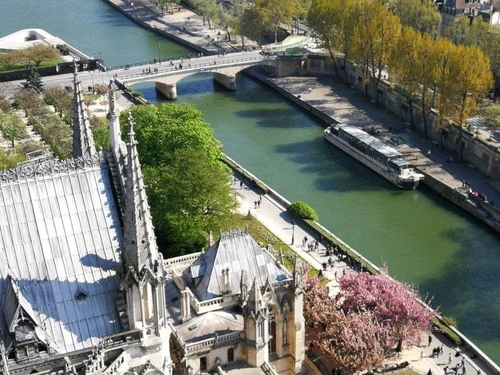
<point>235,251</point>
<point>59,239</point>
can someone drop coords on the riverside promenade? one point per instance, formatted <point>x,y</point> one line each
<point>341,102</point>
<point>272,214</point>
<point>332,100</point>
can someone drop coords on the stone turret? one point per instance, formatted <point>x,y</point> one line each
<point>83,141</point>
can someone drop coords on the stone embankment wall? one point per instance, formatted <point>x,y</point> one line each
<point>485,157</point>
<point>169,31</point>
<point>329,237</point>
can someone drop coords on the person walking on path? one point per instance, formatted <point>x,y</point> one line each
<point>429,340</point>
<point>449,359</point>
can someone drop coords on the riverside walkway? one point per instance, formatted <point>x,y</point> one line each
<point>273,215</point>
<point>332,98</point>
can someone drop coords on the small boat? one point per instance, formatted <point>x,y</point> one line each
<point>378,156</point>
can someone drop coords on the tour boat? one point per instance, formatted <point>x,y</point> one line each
<point>375,154</point>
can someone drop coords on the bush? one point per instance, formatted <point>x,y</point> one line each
<point>302,210</point>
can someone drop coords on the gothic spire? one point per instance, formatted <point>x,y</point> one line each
<point>254,301</point>
<point>139,239</point>
<point>114,121</point>
<point>83,141</point>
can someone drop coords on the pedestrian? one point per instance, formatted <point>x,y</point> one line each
<point>429,340</point>
<point>449,359</point>
<point>445,369</point>
<point>255,203</point>
<point>312,348</point>
<point>260,198</point>
<point>463,362</point>
<point>421,354</point>
<point>316,245</point>
<point>258,203</point>
<point>305,241</point>
<point>241,184</point>
<point>441,349</point>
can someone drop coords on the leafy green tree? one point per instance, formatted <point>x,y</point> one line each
<point>207,9</point>
<point>162,129</point>
<point>192,196</point>
<point>38,53</point>
<point>275,13</point>
<point>100,132</point>
<point>33,80</point>
<point>237,20</point>
<point>183,173</point>
<point>55,133</point>
<point>302,210</point>
<point>12,127</point>
<point>422,15</point>
<point>9,159</point>
<point>31,102</point>
<point>60,98</point>
<point>334,21</point>
<point>9,59</point>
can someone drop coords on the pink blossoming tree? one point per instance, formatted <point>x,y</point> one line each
<point>369,317</point>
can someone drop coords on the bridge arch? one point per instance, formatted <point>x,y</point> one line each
<point>224,72</point>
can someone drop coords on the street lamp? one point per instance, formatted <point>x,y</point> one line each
<point>159,59</point>
<point>293,231</point>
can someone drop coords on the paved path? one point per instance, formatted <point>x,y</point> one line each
<point>274,216</point>
<point>350,106</point>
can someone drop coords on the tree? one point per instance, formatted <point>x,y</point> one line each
<point>184,174</point>
<point>29,100</point>
<point>376,36</point>
<point>60,98</point>
<point>192,197</point>
<point>417,78</point>
<point>207,9</point>
<point>38,53</point>
<point>161,130</point>
<point>444,74</point>
<point>168,4</point>
<point>12,127</point>
<point>472,83</point>
<point>491,115</point>
<point>422,15</point>
<point>334,21</point>
<point>275,13</point>
<point>369,317</point>
<point>225,19</point>
<point>33,80</point>
<point>9,59</point>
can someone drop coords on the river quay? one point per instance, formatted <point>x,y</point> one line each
<point>332,101</point>
<point>272,213</point>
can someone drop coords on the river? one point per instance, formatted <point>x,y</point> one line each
<point>424,239</point>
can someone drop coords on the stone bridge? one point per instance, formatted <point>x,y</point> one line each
<point>166,74</point>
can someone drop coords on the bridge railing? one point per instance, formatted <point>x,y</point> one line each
<point>186,64</point>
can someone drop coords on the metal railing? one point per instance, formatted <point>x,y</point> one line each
<point>188,66</point>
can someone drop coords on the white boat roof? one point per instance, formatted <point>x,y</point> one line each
<point>59,254</point>
<point>371,141</point>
